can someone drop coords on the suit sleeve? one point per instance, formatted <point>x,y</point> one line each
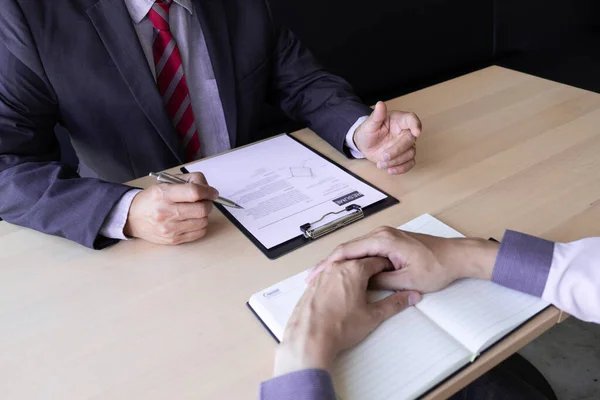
<point>308,93</point>
<point>37,191</point>
<point>564,274</point>
<point>310,384</point>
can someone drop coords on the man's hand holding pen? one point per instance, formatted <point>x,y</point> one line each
<point>172,214</point>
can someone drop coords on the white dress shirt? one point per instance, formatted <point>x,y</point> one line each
<point>202,85</point>
<point>565,274</point>
<point>573,283</point>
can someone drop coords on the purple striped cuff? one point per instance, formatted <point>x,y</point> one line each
<point>523,263</point>
<point>309,384</point>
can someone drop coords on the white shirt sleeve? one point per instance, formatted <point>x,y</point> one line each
<point>115,222</point>
<point>573,283</point>
<point>350,138</point>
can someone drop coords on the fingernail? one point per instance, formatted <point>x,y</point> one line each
<point>386,157</point>
<point>382,165</point>
<point>413,299</point>
<point>393,171</point>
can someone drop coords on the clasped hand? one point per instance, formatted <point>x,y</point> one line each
<point>334,314</point>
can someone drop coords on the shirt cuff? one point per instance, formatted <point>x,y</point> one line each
<point>523,263</point>
<point>115,222</point>
<point>309,384</point>
<point>354,152</point>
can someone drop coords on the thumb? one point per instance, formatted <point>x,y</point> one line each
<point>379,114</point>
<point>393,304</point>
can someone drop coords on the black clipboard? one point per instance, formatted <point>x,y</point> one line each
<point>352,214</point>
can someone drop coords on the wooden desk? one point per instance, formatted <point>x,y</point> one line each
<point>500,149</point>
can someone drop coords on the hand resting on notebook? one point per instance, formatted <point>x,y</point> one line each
<point>421,262</point>
<point>564,274</point>
<point>334,315</point>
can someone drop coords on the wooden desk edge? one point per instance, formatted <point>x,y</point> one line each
<point>563,316</point>
<point>498,353</point>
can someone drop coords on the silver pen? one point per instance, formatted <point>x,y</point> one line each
<point>165,177</point>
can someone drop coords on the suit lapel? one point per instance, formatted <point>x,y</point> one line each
<point>113,23</point>
<point>213,21</point>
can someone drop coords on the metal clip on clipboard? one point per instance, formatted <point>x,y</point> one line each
<point>313,231</point>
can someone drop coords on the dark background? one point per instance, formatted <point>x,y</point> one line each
<point>387,48</point>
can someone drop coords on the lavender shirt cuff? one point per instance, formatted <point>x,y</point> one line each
<point>115,222</point>
<point>309,384</point>
<point>354,152</point>
<point>523,263</point>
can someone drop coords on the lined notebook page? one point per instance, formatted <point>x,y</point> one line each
<point>478,312</point>
<point>475,312</point>
<point>401,359</point>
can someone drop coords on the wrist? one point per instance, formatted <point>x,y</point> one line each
<point>127,231</point>
<point>114,224</point>
<point>351,138</point>
<point>291,357</point>
<point>128,228</point>
<point>473,258</point>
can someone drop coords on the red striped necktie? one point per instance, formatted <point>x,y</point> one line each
<point>171,80</point>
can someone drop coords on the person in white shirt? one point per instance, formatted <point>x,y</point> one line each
<point>334,315</point>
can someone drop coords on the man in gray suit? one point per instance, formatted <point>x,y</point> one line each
<point>143,86</point>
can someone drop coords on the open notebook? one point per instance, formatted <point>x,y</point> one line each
<point>415,350</point>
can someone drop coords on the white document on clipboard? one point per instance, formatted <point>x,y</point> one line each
<point>283,185</point>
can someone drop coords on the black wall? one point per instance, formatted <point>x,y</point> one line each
<point>522,25</point>
<point>557,40</point>
<point>385,48</point>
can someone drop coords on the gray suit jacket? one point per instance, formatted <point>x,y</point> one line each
<point>78,63</point>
